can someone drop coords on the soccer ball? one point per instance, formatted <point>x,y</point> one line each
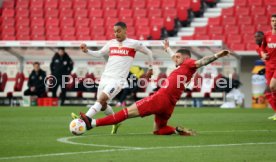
<point>77,127</point>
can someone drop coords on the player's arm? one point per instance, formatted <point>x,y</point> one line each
<point>209,59</point>
<point>263,52</point>
<point>99,53</point>
<point>148,52</point>
<point>168,50</point>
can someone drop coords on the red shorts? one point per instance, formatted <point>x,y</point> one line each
<point>158,104</point>
<point>269,74</point>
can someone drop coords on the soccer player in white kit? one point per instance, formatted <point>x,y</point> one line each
<point>121,51</point>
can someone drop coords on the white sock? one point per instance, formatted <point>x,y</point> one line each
<point>94,110</point>
<point>108,110</point>
<point>93,123</point>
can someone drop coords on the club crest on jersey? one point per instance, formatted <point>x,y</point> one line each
<point>271,45</point>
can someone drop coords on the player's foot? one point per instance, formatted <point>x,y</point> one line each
<point>74,116</point>
<point>273,117</point>
<point>87,120</point>
<point>184,131</point>
<point>115,128</point>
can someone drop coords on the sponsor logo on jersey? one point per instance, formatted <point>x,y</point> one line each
<point>271,45</point>
<point>123,51</point>
<point>119,51</point>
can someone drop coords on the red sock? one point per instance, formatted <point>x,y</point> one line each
<point>271,98</point>
<point>113,119</point>
<point>167,130</point>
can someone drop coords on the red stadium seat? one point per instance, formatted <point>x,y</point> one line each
<point>271,10</point>
<point>184,3</point>
<point>51,4</point>
<point>110,21</point>
<point>261,20</point>
<point>65,21</point>
<point>154,12</point>
<point>38,30</point>
<point>8,30</point>
<point>130,30</point>
<point>68,37</point>
<point>169,12</point>
<point>110,12</point>
<point>8,4</point>
<point>65,12</point>
<point>201,30</point>
<point>128,20</point>
<point>38,37</point>
<point>247,29</point>
<point>201,37</point>
<point>143,31</point>
<point>242,11</point>
<point>217,37</point>
<point>258,10</point>
<point>83,31</point>
<point>263,28</point>
<point>22,12</point>
<point>215,29</point>
<point>255,2</point>
<point>138,4</point>
<point>94,4</point>
<point>83,37</point>
<point>68,31</point>
<point>244,20</point>
<point>240,2</point>
<point>141,21</point>
<point>52,21</point>
<point>248,38</point>
<point>81,21</point>
<point>79,4</point>
<point>80,12</point>
<point>96,22</point>
<point>125,12</point>
<point>123,4</point>
<point>98,37</point>
<point>23,30</point>
<point>23,37</point>
<point>153,4</point>
<point>237,47</point>
<point>155,33</point>
<point>109,4</point>
<point>8,12</point>
<point>37,21</point>
<point>18,85</point>
<point>22,4</point>
<point>36,4</point>
<point>95,12</point>
<point>270,2</point>
<point>169,24</point>
<point>234,38</point>
<point>52,31</point>
<point>229,20</point>
<point>168,3</point>
<point>232,29</point>
<point>187,37</point>
<point>22,21</point>
<point>196,5</point>
<point>36,12</point>
<point>182,14</point>
<point>53,37</point>
<point>157,21</point>
<point>228,11</point>
<point>7,21</point>
<point>65,4</point>
<point>139,12</point>
<point>214,20</point>
<point>8,37</point>
<point>251,46</point>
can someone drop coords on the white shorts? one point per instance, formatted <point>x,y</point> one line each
<point>111,87</point>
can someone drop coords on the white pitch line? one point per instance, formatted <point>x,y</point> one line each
<point>134,149</point>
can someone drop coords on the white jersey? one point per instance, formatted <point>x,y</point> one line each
<point>121,56</point>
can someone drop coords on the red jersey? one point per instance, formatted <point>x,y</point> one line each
<point>258,50</point>
<point>174,85</point>
<point>269,45</point>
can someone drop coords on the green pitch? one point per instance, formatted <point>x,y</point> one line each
<point>42,134</point>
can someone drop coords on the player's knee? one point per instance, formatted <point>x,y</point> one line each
<point>272,87</point>
<point>156,132</point>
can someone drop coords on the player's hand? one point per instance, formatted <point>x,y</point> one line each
<point>166,44</point>
<point>223,53</point>
<point>264,56</point>
<point>149,73</point>
<point>84,48</point>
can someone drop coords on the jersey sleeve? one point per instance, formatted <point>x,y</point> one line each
<point>140,47</point>
<point>191,63</point>
<point>103,51</point>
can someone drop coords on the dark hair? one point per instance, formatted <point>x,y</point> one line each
<point>273,15</point>
<point>184,51</point>
<point>36,63</point>
<point>259,32</point>
<point>61,48</point>
<point>121,24</point>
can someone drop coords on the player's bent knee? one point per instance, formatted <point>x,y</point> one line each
<point>273,87</point>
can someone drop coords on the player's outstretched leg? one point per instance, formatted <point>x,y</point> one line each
<point>168,130</point>
<point>109,111</point>
<point>184,131</point>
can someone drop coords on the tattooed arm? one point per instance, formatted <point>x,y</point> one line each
<point>208,59</point>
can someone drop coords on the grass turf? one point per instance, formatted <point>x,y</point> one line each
<point>31,134</point>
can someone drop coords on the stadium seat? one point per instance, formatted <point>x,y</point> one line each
<point>143,31</point>
<point>96,22</point>
<point>217,37</point>
<point>242,11</point>
<point>130,31</point>
<point>246,29</point>
<point>80,12</point>
<point>19,82</point>
<point>36,12</point>
<point>83,31</point>
<point>68,31</point>
<point>95,12</point>
<point>201,30</point>
<point>139,12</point>
<point>109,4</point>
<point>240,2</point>
<point>8,4</point>
<point>110,12</point>
<point>22,12</point>
<point>37,21</point>
<point>183,3</point>
<point>215,29</point>
<point>53,37</point>
<point>168,3</point>
<point>63,4</point>
<point>214,21</point>
<point>80,4</point>
<point>83,37</point>
<point>68,37</point>
<point>255,2</point>
<point>8,12</point>
<point>81,21</point>
<point>51,3</point>
<point>182,14</point>
<point>22,21</point>
<point>65,12</point>
<point>237,47</point>
<point>96,31</point>
<point>38,30</point>
<point>154,12</point>
<point>23,37</point>
<point>244,20</point>
<point>38,37</point>
<point>4,79</point>
<point>123,4</point>
<point>22,4</point>
<point>258,19</point>
<point>36,4</point>
<point>52,31</point>
<point>8,30</point>
<point>187,37</point>
<point>65,21</point>
<point>157,21</point>
<point>8,37</point>
<point>110,21</point>
<point>169,24</point>
<point>201,37</point>
<point>270,2</point>
<point>52,21</point>
<point>264,28</point>
<point>229,20</point>
<point>153,3</point>
<point>251,46</point>
<point>98,37</point>
<point>138,4</point>
<point>155,33</point>
<point>128,20</point>
<point>7,21</point>
<point>228,11</point>
<point>258,10</point>
<point>248,38</point>
<point>196,6</point>
<point>169,12</point>
<point>123,12</point>
<point>94,4</point>
<point>271,10</point>
<point>23,30</point>
<point>234,38</point>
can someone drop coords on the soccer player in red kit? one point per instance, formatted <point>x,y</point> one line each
<point>162,103</point>
<point>268,54</point>
<point>259,36</point>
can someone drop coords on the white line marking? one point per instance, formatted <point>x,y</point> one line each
<point>134,149</point>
